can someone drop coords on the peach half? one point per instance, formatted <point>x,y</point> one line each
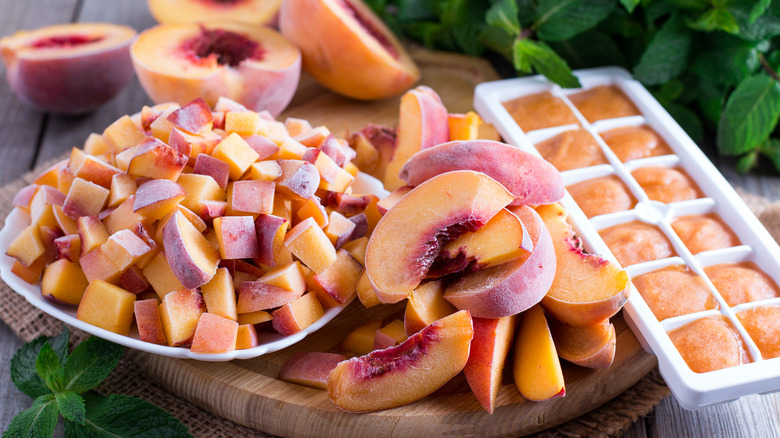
<point>68,68</point>
<point>347,48</point>
<point>253,12</point>
<point>399,375</point>
<point>533,180</point>
<point>254,66</point>
<point>409,237</point>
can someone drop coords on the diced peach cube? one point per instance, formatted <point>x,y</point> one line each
<point>123,134</point>
<point>98,266</point>
<point>296,126</point>
<point>271,231</point>
<point>180,312</point>
<point>156,198</point>
<point>107,306</point>
<point>289,149</point>
<point>85,199</point>
<point>310,244</point>
<point>31,274</point>
<point>390,335</point>
<point>338,229</point>
<point>312,208</point>
<point>299,179</point>
<point>96,171</point>
<point>124,216</point>
<point>25,195</point>
<point>27,246</point>
<point>214,334</point>
<point>257,295</point>
<point>159,274</point>
<point>253,196</point>
<point>122,187</point>
<point>243,123</point>
<point>265,171</point>
<point>147,318</point>
<point>155,159</point>
<point>253,318</point>
<point>264,146</point>
<point>235,151</point>
<point>337,284</point>
<point>217,169</point>
<point>68,247</point>
<point>194,117</point>
<point>236,237</point>
<point>361,340</point>
<point>289,277</point>
<point>357,248</point>
<point>64,281</point>
<point>199,188</point>
<point>220,295</point>
<point>365,291</point>
<point>246,337</point>
<point>297,315</point>
<point>309,368</point>
<point>133,280</point>
<point>124,248</point>
<point>92,233</point>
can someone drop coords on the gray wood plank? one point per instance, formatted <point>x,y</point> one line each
<point>63,133</point>
<point>21,125</point>
<point>13,401</point>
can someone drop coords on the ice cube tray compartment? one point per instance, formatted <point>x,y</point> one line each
<point>693,390</point>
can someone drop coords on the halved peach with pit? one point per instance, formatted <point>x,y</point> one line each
<point>254,66</point>
<point>68,68</point>
<point>347,48</point>
<point>253,12</point>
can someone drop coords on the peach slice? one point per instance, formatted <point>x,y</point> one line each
<point>512,287</point>
<point>533,180</point>
<point>422,123</point>
<point>537,370</point>
<point>392,377</point>
<point>587,288</point>
<point>347,48</point>
<point>489,348</point>
<point>192,258</point>
<point>591,346</point>
<point>254,12</point>
<point>408,238</point>
<point>309,368</point>
<point>254,66</point>
<point>68,68</point>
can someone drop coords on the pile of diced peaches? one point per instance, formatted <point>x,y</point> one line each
<point>201,225</point>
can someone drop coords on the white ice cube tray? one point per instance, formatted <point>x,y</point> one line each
<point>692,390</point>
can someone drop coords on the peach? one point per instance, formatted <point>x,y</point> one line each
<point>464,126</point>
<point>297,315</point>
<point>154,159</point>
<point>422,123</point>
<point>392,377</point>
<point>236,237</point>
<point>591,346</point>
<point>84,199</point>
<point>708,344</point>
<point>374,146</point>
<point>309,368</point>
<point>97,265</point>
<point>68,247</point>
<point>160,275</point>
<point>254,66</point>
<point>122,187</point>
<point>357,248</point>
<point>339,229</point>
<point>107,306</point>
<point>390,335</point>
<point>27,247</point>
<point>407,239</point>
<point>489,348</point>
<point>193,145</point>
<point>214,334</point>
<point>64,281</point>
<point>258,295</point>
<point>347,48</point>
<point>220,295</point>
<point>309,243</point>
<point>254,12</point>
<point>180,312</point>
<point>536,369</point>
<point>390,200</point>
<point>246,337</point>
<point>289,276</point>
<point>253,318</point>
<point>426,304</point>
<point>299,179</point>
<point>266,170</point>
<point>124,248</point>
<point>365,292</point>
<point>674,291</point>
<point>133,280</point>
<point>31,274</point>
<point>190,255</point>
<point>337,284</point>
<point>740,283</point>
<point>512,287</point>
<point>586,288</point>
<point>532,180</point>
<point>97,171</point>
<point>68,68</point>
<point>763,326</point>
<point>270,231</point>
<point>92,233</point>
<point>253,196</point>
<point>156,198</point>
<point>24,196</point>
<point>147,318</point>
<point>361,340</point>
<point>213,167</point>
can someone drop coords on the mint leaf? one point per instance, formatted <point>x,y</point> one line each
<point>521,61</point>
<point>590,49</point>
<point>59,344</point>
<point>715,19</point>
<point>89,363</point>
<point>758,9</point>
<point>756,27</point>
<point>39,420</point>
<point>497,40</point>
<point>750,115</point>
<point>503,15</point>
<point>687,119</point>
<point>545,61</point>
<point>725,60</point>
<point>128,417</point>
<point>465,18</point>
<point>23,372</point>
<point>688,4</point>
<point>71,406</point>
<point>630,4</point>
<point>49,368</point>
<point>747,162</point>
<point>558,20</point>
<point>771,149</point>
<point>415,10</point>
<point>666,56</point>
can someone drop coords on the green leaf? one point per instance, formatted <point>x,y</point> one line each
<point>724,59</point>
<point>715,19</point>
<point>71,406</point>
<point>90,363</point>
<point>59,344</point>
<point>622,24</point>
<point>497,40</point>
<point>630,5</point>
<point>558,20</point>
<point>49,368</point>
<point>590,49</point>
<point>666,56</point>
<point>693,5</point>
<point>712,98</point>
<point>750,115</point>
<point>465,21</point>
<point>672,90</point>
<point>128,417</point>
<point>415,10</point>
<point>747,162</point>
<point>521,61</point>
<point>756,28</point>
<point>503,15</point>
<point>771,150</point>
<point>39,420</point>
<point>687,119</point>
<point>758,9</point>
<point>546,62</point>
<point>23,372</point>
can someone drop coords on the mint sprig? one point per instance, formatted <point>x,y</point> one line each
<point>59,382</point>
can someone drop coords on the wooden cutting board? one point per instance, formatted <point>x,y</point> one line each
<point>247,392</point>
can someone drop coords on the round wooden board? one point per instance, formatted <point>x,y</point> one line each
<point>247,392</point>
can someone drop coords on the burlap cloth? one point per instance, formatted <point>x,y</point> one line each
<point>610,420</point>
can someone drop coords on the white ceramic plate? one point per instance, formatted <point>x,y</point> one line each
<point>269,342</point>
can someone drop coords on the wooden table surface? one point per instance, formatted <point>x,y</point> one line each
<point>29,138</point>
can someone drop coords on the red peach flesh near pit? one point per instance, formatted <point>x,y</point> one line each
<point>221,47</point>
<point>369,27</point>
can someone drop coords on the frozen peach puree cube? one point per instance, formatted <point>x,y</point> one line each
<point>572,150</point>
<point>666,184</point>
<point>740,283</point>
<point>637,242</point>
<point>603,195</point>
<point>709,344</point>
<point>702,233</point>
<point>763,326</point>
<point>540,110</point>
<point>603,102</point>
<point>674,291</point>
<point>634,142</point>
